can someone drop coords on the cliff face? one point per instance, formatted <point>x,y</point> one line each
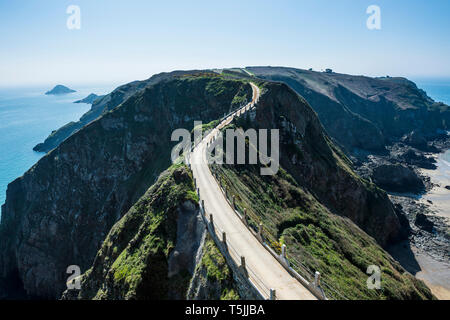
<point>362,112</point>
<point>157,248</point>
<point>308,155</point>
<point>60,211</point>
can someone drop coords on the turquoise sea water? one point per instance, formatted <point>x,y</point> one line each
<point>27,117</point>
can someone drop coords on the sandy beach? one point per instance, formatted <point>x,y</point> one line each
<point>439,195</point>
<point>436,274</point>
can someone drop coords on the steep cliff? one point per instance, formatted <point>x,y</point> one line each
<point>362,112</point>
<point>157,249</point>
<point>309,156</point>
<point>61,210</point>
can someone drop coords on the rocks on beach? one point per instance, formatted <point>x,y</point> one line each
<point>397,178</point>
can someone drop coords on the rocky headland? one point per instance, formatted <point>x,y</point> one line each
<point>90,99</point>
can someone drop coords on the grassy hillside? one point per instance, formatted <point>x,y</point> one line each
<point>136,259</point>
<point>317,239</point>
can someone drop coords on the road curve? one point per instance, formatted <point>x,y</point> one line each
<point>264,268</point>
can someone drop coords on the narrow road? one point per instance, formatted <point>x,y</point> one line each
<point>264,268</point>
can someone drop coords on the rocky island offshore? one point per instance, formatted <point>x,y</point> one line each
<point>59,90</point>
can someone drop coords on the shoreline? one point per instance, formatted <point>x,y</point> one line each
<point>438,194</point>
<point>425,255</point>
<point>435,274</point>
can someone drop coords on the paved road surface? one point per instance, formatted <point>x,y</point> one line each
<point>264,267</point>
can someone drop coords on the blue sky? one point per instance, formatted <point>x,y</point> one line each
<point>120,41</point>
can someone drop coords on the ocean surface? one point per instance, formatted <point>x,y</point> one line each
<point>27,117</point>
<point>437,89</point>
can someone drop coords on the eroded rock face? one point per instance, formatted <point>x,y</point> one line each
<point>315,163</point>
<point>397,178</point>
<point>61,210</point>
<point>362,112</point>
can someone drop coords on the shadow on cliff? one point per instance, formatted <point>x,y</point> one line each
<point>403,253</point>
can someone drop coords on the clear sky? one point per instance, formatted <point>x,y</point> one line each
<point>120,41</point>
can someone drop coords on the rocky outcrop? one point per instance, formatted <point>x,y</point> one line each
<point>61,210</point>
<point>415,139</point>
<point>423,222</point>
<point>417,159</point>
<point>158,250</point>
<point>397,178</point>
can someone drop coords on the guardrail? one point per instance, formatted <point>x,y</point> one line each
<point>314,286</point>
<point>233,256</point>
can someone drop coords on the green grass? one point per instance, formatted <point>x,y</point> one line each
<point>317,239</point>
<point>217,271</point>
<point>133,260</point>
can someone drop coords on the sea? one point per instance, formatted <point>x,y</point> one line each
<point>28,116</point>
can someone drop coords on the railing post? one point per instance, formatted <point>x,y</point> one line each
<point>224,238</point>
<point>243,262</point>
<point>273,294</point>
<point>245,217</point>
<point>198,192</point>
<point>283,251</point>
<point>234,201</point>
<point>260,232</point>
<point>203,205</point>
<point>317,279</point>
